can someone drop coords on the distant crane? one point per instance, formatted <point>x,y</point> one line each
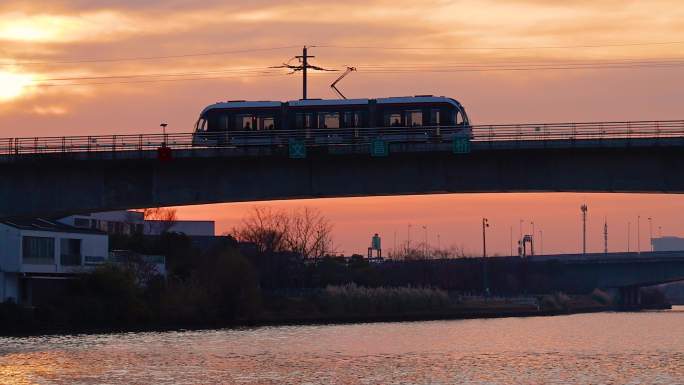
<point>347,72</point>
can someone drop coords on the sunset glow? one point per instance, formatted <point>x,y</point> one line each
<point>123,67</point>
<point>13,85</point>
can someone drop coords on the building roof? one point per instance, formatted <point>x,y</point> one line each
<point>41,224</point>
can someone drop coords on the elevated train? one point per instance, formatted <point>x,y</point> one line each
<point>330,121</point>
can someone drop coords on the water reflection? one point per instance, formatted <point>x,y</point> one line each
<point>580,349</point>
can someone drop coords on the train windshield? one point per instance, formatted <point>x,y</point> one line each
<point>201,125</point>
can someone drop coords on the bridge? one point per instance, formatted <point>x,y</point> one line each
<point>623,273</point>
<point>64,175</point>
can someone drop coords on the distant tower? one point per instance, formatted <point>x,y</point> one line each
<point>583,208</point>
<point>375,246</point>
<point>605,236</point>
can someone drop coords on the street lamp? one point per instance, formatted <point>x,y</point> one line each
<point>425,247</point>
<point>485,224</point>
<point>163,126</point>
<point>408,239</point>
<point>584,210</point>
<point>650,232</point>
<point>638,234</point>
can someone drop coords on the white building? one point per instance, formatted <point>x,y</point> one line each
<point>131,222</point>
<point>40,249</point>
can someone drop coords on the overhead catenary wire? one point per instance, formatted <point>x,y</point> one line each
<point>144,58</point>
<point>499,48</point>
<point>329,46</point>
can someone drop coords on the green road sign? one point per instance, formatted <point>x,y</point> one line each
<point>297,149</point>
<point>379,148</point>
<point>461,145</point>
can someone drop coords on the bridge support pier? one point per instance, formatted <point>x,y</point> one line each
<point>630,297</point>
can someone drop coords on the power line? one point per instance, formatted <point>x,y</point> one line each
<point>138,58</point>
<point>367,69</point>
<point>380,47</point>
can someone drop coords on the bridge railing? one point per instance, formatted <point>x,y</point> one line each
<point>347,136</point>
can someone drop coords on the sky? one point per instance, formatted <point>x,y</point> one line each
<point>124,66</point>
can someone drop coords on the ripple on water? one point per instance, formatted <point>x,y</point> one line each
<point>579,349</point>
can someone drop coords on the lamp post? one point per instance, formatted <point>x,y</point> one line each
<point>408,239</point>
<point>638,234</point>
<point>541,243</point>
<point>650,232</point>
<point>163,126</point>
<point>425,247</point>
<point>532,248</point>
<point>584,210</point>
<point>485,224</point>
<point>485,278</point>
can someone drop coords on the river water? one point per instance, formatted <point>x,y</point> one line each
<point>600,348</point>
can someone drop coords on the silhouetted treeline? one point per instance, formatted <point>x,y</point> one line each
<point>226,283</point>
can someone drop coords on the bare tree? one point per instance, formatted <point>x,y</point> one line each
<point>304,231</point>
<point>159,220</point>
<point>310,233</point>
<point>266,228</point>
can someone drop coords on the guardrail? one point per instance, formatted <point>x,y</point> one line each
<point>346,136</point>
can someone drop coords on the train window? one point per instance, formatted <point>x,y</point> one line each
<point>201,125</point>
<point>434,117</point>
<point>414,118</point>
<point>303,120</point>
<point>459,118</point>
<point>352,119</point>
<point>266,123</point>
<point>393,119</point>
<point>245,122</point>
<point>328,120</point>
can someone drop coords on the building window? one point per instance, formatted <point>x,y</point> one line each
<point>38,250</point>
<point>70,252</point>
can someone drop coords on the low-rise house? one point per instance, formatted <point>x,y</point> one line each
<point>34,250</point>
<point>126,222</point>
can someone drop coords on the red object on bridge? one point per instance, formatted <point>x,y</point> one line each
<point>164,153</point>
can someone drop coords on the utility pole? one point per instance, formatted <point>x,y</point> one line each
<point>650,232</point>
<point>638,234</point>
<point>532,245</point>
<point>485,224</point>
<point>305,64</point>
<point>485,278</point>
<point>583,208</point>
<point>605,236</point>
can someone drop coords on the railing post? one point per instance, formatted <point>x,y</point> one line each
<point>113,143</point>
<point>63,144</point>
<point>140,142</point>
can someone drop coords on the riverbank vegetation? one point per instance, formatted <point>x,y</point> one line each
<point>279,269</point>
